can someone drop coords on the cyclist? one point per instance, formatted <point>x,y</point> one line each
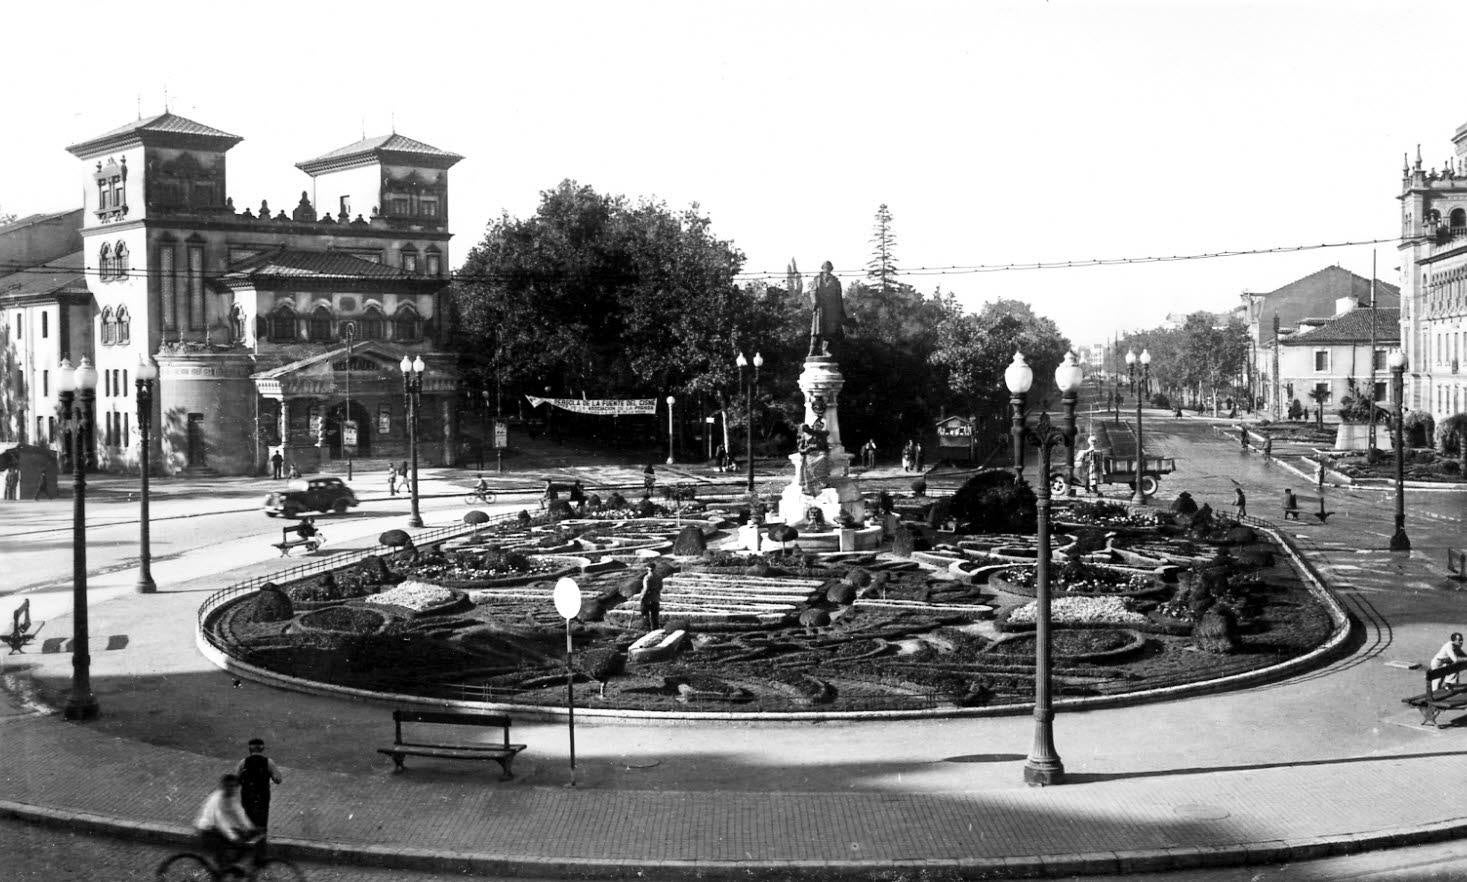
<point>482,488</point>
<point>224,828</point>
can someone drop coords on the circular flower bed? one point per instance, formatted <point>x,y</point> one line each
<point>1077,578</point>
<point>416,596</point>
<point>1085,644</point>
<point>348,619</point>
<point>1080,611</point>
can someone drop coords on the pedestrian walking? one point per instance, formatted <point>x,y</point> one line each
<point>578,498</point>
<point>651,603</point>
<point>256,773</point>
<point>1291,505</point>
<point>649,480</point>
<point>276,462</point>
<point>403,472</point>
<point>1241,501</point>
<point>549,495</point>
<point>917,456</point>
<point>391,480</point>
<point>907,457</point>
<point>45,485</point>
<point>12,482</point>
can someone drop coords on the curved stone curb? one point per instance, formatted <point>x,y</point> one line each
<point>1123,861</point>
<point>1318,657</point>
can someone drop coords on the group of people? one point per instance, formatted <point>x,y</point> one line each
<point>235,816</point>
<point>277,466</point>
<point>399,472</point>
<point>12,484</point>
<point>912,456</point>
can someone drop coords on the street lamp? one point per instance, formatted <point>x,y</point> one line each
<point>1397,362</point>
<point>1043,766</point>
<point>1138,386</point>
<point>752,390</point>
<point>670,402</point>
<point>1018,376</point>
<point>147,373</point>
<point>78,392</point>
<point>1073,370</point>
<point>412,390</point>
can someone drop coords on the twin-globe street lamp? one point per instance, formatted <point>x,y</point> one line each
<point>147,374</point>
<point>1397,362</point>
<point>1139,388</point>
<point>670,402</point>
<point>752,390</point>
<point>412,390</point>
<point>77,388</point>
<point>1043,766</point>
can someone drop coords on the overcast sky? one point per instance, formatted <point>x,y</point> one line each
<point>997,132</point>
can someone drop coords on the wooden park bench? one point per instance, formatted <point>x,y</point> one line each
<point>1302,501</point>
<point>21,630</point>
<point>1439,695</point>
<point>1457,563</point>
<point>440,748</point>
<point>310,543</point>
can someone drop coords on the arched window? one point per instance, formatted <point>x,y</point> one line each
<point>282,324</point>
<point>1458,217</point>
<point>104,262</point>
<point>119,260</point>
<point>372,324</point>
<point>109,327</point>
<point>406,325</point>
<point>319,330</point>
<point>124,328</point>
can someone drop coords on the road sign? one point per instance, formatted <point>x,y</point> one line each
<point>501,433</point>
<point>349,433</point>
<point>567,598</point>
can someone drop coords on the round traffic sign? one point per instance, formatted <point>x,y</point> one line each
<point>567,598</point>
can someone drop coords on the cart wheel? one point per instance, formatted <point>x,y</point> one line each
<point>1059,487</point>
<point>1148,485</point>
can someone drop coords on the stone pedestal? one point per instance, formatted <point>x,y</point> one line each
<point>832,490</point>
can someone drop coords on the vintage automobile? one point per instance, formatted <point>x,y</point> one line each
<point>310,494</point>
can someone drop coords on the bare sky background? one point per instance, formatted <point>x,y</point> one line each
<point>997,132</point>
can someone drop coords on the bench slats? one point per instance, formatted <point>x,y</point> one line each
<point>503,754</point>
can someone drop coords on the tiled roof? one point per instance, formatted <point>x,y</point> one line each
<point>63,272</point>
<point>33,219</point>
<point>1316,294</point>
<point>163,123</point>
<point>291,263</point>
<point>1352,327</point>
<point>393,143</point>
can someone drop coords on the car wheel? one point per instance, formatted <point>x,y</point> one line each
<point>340,506</point>
<point>270,514</point>
<point>291,511</point>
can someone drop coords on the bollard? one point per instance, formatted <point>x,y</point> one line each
<point>348,469</point>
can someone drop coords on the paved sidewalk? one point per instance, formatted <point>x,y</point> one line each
<point>1328,761</point>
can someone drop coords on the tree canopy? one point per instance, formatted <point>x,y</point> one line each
<point>975,348</point>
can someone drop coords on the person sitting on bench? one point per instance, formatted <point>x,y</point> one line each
<point>305,530</point>
<point>1450,653</point>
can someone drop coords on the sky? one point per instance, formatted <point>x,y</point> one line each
<point>996,132</point>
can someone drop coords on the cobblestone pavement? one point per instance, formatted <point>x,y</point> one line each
<point>1326,757</point>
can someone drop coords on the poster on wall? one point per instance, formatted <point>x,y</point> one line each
<point>384,421</point>
<point>349,433</point>
<point>501,434</point>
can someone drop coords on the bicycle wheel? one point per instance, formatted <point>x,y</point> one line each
<point>277,870</point>
<point>470,498</point>
<point>186,868</point>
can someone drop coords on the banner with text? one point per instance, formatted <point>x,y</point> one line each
<point>602,406</point>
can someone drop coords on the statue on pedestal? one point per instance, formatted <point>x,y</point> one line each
<point>828,313</point>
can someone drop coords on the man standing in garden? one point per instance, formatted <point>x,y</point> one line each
<point>651,604</point>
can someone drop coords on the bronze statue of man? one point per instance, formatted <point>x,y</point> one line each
<point>828,312</point>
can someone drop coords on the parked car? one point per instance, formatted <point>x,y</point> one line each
<point>310,494</point>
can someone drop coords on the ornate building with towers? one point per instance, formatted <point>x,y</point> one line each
<point>274,328</point>
<point>1434,282</point>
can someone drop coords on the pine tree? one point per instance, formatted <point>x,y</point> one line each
<point>882,269</point>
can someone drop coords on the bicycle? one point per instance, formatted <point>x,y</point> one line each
<point>191,866</point>
<point>479,497</point>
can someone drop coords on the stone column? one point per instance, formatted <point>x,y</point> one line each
<point>284,424</point>
<point>822,376</point>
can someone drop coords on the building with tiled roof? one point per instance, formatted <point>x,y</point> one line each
<point>247,310</point>
<point>1433,253</point>
<point>1330,291</point>
<point>1322,355</point>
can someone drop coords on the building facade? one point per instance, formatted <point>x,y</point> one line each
<point>1317,362</point>
<point>1303,304</point>
<point>273,330</point>
<point>1434,282</point>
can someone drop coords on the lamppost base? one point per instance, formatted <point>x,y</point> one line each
<point>1043,773</point>
<point>415,522</point>
<point>81,708</point>
<point>670,461</point>
<point>1399,541</point>
<point>146,585</point>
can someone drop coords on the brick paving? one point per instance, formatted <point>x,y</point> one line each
<point>1328,759</point>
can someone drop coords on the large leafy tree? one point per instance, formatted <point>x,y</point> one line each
<point>975,348</point>
<point>601,295</point>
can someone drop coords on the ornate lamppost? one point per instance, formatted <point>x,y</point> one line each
<point>670,402</point>
<point>1043,766</point>
<point>753,390</point>
<point>147,374</point>
<point>1140,370</point>
<point>1019,377</point>
<point>77,390</point>
<point>1397,362</point>
<point>412,390</point>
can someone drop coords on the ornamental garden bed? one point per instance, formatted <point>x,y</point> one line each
<point>853,632</point>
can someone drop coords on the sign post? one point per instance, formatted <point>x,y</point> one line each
<point>501,441</point>
<point>568,604</point>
